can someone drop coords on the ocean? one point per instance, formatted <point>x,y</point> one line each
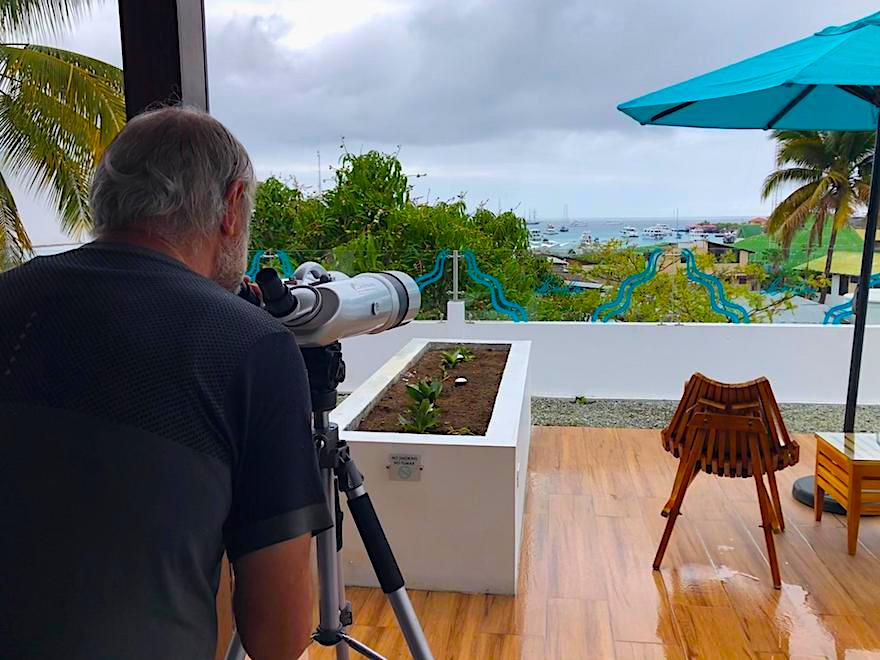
<point>605,229</point>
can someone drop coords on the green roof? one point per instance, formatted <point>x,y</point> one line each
<point>848,240</point>
<point>842,263</point>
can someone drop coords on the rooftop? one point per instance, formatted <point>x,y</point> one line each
<point>842,263</point>
<point>592,523</point>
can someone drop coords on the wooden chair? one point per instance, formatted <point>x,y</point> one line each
<point>729,430</point>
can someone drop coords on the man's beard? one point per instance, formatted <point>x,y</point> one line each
<point>231,262</point>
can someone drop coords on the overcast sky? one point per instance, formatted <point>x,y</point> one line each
<point>510,101</point>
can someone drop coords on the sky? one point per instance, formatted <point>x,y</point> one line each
<point>511,102</point>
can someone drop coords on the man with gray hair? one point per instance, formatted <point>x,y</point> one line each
<point>150,420</point>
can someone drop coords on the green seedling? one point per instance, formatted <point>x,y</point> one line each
<point>425,390</point>
<point>420,417</point>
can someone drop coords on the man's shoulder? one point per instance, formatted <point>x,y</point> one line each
<point>232,323</point>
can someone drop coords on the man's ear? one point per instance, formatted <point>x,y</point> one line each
<point>233,223</point>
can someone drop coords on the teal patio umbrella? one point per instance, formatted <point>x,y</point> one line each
<point>827,81</point>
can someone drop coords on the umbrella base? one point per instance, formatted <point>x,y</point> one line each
<point>802,491</point>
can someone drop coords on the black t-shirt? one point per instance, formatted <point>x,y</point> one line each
<point>148,420</point>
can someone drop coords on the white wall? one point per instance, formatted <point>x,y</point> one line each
<point>805,363</point>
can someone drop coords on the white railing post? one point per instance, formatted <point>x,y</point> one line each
<point>455,307</point>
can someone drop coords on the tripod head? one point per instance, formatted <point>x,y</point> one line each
<point>326,369</point>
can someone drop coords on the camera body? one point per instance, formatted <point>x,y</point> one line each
<point>321,307</point>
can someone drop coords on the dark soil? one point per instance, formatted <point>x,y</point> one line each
<point>464,410</point>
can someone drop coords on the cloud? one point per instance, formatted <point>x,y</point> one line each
<point>459,71</point>
<point>510,100</point>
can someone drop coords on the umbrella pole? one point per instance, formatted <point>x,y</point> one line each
<point>861,302</point>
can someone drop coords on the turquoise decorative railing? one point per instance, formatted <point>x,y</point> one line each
<point>778,286</point>
<point>436,273</point>
<point>718,300</point>
<point>254,267</point>
<point>838,313</point>
<point>623,300</point>
<point>496,290</point>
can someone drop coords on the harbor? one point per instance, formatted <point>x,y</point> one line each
<point>565,236</point>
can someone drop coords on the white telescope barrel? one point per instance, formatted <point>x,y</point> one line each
<point>364,304</point>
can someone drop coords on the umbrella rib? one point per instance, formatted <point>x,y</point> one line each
<point>669,111</point>
<point>788,106</point>
<point>862,93</point>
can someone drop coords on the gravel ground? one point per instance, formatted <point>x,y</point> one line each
<point>650,414</point>
<point>654,414</point>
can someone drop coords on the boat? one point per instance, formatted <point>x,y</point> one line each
<point>535,235</point>
<point>532,222</point>
<point>657,231</point>
<point>550,229</point>
<point>586,241</point>
<point>563,229</point>
<point>629,232</point>
<point>697,232</point>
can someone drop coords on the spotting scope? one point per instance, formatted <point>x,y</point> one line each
<point>320,307</point>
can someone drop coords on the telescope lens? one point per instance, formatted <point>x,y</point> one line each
<point>277,297</point>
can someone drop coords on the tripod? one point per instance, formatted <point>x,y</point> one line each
<point>339,474</point>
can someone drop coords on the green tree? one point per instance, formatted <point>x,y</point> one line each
<point>832,173</point>
<point>58,112</point>
<point>368,221</point>
<point>671,297</point>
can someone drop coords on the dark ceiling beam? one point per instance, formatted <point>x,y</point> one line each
<point>163,53</point>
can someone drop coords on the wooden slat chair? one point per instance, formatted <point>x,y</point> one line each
<point>729,430</point>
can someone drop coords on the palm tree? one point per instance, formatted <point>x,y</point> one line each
<point>832,172</point>
<point>58,112</point>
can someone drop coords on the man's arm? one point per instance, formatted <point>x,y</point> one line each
<point>273,600</point>
<point>277,500</point>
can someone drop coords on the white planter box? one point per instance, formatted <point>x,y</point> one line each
<point>458,527</point>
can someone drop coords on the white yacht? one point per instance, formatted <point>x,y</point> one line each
<point>657,231</point>
<point>629,232</point>
<point>550,229</point>
<point>586,241</point>
<point>535,235</point>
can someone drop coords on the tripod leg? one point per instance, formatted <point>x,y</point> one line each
<point>329,623</point>
<point>235,651</point>
<point>387,571</point>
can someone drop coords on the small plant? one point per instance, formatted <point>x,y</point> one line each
<point>451,359</point>
<point>581,400</point>
<point>467,355</point>
<point>464,430</point>
<point>420,417</point>
<point>425,390</point>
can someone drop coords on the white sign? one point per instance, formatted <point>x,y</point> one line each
<point>405,467</point>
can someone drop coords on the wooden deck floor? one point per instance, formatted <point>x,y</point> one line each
<point>587,589</point>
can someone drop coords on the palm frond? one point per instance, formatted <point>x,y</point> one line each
<point>804,148</point>
<point>781,177</point>
<point>41,16</point>
<point>31,148</point>
<point>14,241</point>
<point>793,211</point>
<point>58,112</point>
<point>83,85</point>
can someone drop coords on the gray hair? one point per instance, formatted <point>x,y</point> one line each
<point>167,173</point>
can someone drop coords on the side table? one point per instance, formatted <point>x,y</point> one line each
<point>848,468</point>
